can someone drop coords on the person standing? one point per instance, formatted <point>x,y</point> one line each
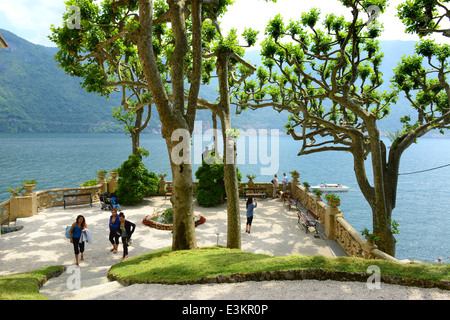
<point>114,225</point>
<point>275,185</point>
<point>126,229</point>
<point>75,234</point>
<point>285,182</point>
<point>251,205</point>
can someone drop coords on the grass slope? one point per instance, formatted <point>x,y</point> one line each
<point>166,266</point>
<point>25,286</point>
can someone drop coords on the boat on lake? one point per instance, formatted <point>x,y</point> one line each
<point>331,187</point>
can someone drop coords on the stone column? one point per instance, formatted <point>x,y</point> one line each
<point>101,180</point>
<point>112,184</point>
<point>330,218</point>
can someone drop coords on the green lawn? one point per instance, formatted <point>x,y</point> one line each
<point>170,266</point>
<point>24,286</point>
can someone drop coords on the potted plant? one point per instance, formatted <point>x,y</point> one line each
<point>101,174</point>
<point>306,185</point>
<point>114,173</point>
<point>15,191</point>
<point>372,237</point>
<point>318,193</point>
<point>29,186</point>
<point>333,200</point>
<point>295,174</point>
<point>250,179</point>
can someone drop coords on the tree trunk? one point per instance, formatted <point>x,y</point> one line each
<point>214,121</point>
<point>135,133</point>
<point>172,119</point>
<point>184,237</point>
<point>230,173</point>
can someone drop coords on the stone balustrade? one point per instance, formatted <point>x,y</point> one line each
<point>337,228</point>
<point>55,197</point>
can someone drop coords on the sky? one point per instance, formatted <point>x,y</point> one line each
<point>31,19</point>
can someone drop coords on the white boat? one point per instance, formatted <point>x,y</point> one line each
<point>330,187</point>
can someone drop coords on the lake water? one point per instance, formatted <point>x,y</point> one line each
<point>423,206</point>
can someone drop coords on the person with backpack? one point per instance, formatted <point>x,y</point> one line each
<point>75,232</point>
<point>126,229</point>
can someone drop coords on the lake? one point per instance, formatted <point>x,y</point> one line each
<point>422,211</point>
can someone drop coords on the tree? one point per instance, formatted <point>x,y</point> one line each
<point>231,70</point>
<point>328,79</point>
<point>162,40</point>
<point>424,17</point>
<point>132,121</point>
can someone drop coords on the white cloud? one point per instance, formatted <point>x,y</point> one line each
<point>32,19</point>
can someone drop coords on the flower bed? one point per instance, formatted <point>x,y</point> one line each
<point>148,221</point>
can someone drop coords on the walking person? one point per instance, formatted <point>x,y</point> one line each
<point>275,185</point>
<point>251,205</point>
<point>126,229</point>
<point>77,228</point>
<point>114,226</point>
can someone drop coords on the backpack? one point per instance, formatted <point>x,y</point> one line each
<point>68,232</point>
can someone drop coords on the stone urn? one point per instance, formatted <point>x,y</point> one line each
<point>250,182</point>
<point>334,203</point>
<point>114,175</point>
<point>29,189</point>
<point>101,176</point>
<point>295,176</point>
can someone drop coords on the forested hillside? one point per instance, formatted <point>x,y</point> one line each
<point>37,96</point>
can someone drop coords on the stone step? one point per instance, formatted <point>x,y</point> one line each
<point>88,292</point>
<point>67,286</point>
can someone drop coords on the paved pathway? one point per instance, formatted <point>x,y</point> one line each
<point>42,243</point>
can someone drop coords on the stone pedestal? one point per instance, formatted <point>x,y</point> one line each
<point>330,219</point>
<point>112,184</point>
<point>101,180</point>
<point>23,206</point>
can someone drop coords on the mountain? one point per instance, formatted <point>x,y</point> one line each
<point>37,96</point>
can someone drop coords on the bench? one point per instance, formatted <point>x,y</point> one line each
<point>256,192</point>
<point>291,200</point>
<point>67,200</point>
<point>284,194</point>
<point>312,214</point>
<point>305,221</point>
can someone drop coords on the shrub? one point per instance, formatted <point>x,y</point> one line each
<point>211,187</point>
<point>89,183</point>
<point>135,182</point>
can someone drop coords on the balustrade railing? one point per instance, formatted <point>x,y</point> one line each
<point>353,243</point>
<point>55,197</point>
